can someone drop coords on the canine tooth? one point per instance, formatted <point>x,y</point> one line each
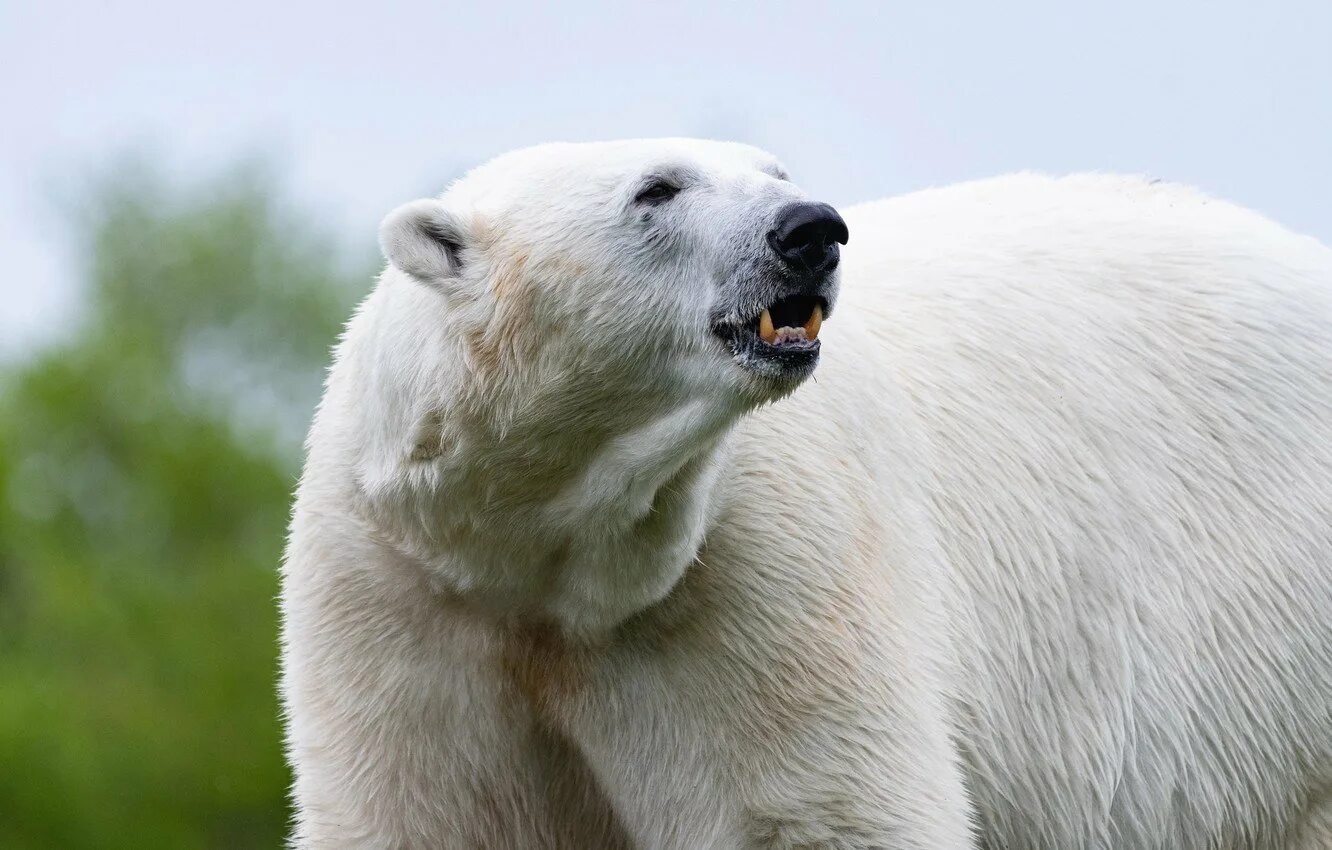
<point>766,332</point>
<point>814,322</point>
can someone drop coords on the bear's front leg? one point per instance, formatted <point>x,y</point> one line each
<point>404,729</point>
<point>763,707</point>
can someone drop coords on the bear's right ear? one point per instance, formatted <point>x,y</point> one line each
<point>423,239</point>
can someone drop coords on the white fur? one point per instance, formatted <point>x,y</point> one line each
<point>1040,558</point>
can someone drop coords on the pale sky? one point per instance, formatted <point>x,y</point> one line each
<point>362,109</point>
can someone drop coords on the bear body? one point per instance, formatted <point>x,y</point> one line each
<point>1039,557</point>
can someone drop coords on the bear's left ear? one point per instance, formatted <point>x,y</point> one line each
<point>425,240</point>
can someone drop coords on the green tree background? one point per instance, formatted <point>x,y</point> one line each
<point>146,464</point>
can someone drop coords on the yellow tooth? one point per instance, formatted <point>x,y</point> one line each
<point>814,322</point>
<point>766,331</point>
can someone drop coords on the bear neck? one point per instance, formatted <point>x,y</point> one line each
<point>584,544</point>
<point>577,508</point>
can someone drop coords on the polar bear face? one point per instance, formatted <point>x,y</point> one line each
<point>666,263</point>
<point>536,397</point>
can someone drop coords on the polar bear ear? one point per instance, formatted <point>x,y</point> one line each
<point>423,239</point>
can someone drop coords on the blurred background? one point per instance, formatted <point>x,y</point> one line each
<point>188,203</point>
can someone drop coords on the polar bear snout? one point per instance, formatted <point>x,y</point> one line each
<point>770,320</point>
<point>806,236</point>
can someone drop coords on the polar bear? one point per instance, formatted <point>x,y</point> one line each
<point>638,513</point>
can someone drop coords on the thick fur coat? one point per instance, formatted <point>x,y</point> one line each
<point>1040,556</point>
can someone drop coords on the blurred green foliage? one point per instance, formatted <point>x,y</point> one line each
<point>146,464</point>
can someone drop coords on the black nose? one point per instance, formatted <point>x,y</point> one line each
<point>806,236</point>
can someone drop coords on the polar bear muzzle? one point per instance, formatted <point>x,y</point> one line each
<point>781,339</point>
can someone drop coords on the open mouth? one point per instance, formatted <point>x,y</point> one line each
<point>791,322</point>
<point>782,340</point>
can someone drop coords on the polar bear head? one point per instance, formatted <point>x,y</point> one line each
<point>662,265</point>
<point>542,383</point>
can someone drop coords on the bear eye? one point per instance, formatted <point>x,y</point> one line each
<point>657,192</point>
